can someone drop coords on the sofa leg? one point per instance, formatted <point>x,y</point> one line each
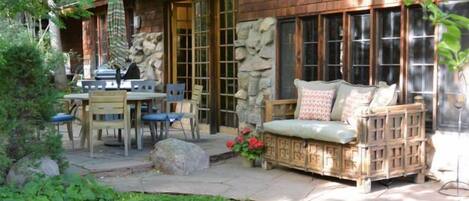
<point>419,178</point>
<point>266,165</point>
<point>364,185</point>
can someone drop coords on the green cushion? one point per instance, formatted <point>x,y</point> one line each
<point>330,131</point>
<point>345,89</point>
<point>313,85</point>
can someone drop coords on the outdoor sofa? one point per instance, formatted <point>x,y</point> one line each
<point>383,140</point>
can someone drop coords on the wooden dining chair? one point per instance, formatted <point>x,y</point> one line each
<point>193,114</point>
<point>174,95</point>
<point>109,103</point>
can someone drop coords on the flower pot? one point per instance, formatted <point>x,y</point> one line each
<point>248,163</point>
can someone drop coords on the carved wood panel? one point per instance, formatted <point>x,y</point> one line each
<point>284,149</point>
<point>270,146</point>
<point>332,158</point>
<point>315,153</point>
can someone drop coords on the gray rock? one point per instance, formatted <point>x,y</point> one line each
<point>267,37</point>
<point>260,99</point>
<point>254,117</point>
<point>157,63</point>
<point>266,24</point>
<point>173,156</point>
<point>251,50</point>
<point>137,58</point>
<point>159,47</point>
<point>23,171</point>
<point>243,80</point>
<point>267,73</point>
<point>159,36</point>
<point>255,63</point>
<point>267,52</point>
<point>242,30</point>
<point>240,53</point>
<point>253,87</point>
<point>159,55</point>
<point>254,39</point>
<point>148,47</point>
<point>241,94</point>
<point>265,83</point>
<point>255,74</point>
<point>239,43</point>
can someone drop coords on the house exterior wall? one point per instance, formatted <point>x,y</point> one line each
<point>254,9</point>
<point>151,14</point>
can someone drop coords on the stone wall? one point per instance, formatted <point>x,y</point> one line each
<point>147,52</point>
<point>255,52</point>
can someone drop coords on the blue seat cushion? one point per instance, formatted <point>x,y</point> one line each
<point>155,117</point>
<point>62,117</point>
<point>171,117</point>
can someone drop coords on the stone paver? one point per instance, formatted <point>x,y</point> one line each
<point>229,179</point>
<point>111,161</point>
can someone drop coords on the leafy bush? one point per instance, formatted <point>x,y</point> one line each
<point>26,106</point>
<point>76,188</point>
<point>58,188</point>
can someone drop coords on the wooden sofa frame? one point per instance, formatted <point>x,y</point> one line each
<point>390,143</point>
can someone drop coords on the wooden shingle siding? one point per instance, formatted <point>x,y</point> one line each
<point>151,15</point>
<point>254,9</point>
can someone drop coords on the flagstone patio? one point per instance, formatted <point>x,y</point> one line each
<point>226,177</point>
<point>229,179</point>
<point>110,160</point>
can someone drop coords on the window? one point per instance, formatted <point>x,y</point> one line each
<point>360,49</point>
<point>450,84</point>
<point>287,59</point>
<point>334,47</point>
<point>310,49</point>
<point>389,52</point>
<point>420,60</point>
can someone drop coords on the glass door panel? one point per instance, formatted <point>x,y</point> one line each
<point>228,68</point>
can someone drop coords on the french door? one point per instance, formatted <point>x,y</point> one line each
<point>203,54</point>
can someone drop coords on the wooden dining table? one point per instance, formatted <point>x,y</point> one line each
<point>133,98</point>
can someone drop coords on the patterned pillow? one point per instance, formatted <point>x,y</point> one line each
<point>316,104</point>
<point>353,101</point>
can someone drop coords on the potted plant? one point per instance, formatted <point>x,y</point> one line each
<point>248,145</point>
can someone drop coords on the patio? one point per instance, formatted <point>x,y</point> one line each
<point>226,176</point>
<point>110,160</point>
<point>229,179</point>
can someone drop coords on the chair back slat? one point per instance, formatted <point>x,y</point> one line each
<point>143,86</point>
<point>108,102</point>
<point>197,93</point>
<point>93,85</point>
<point>175,92</point>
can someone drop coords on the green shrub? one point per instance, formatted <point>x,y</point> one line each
<point>76,188</point>
<point>26,106</point>
<point>59,188</point>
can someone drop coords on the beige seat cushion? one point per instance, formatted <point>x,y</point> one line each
<point>385,95</point>
<point>330,131</point>
<point>344,91</point>
<point>313,85</point>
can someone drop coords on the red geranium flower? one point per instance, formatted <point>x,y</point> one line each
<point>230,144</point>
<point>245,131</point>
<point>239,139</point>
<point>252,142</point>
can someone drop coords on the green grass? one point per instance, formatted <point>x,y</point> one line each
<point>166,197</point>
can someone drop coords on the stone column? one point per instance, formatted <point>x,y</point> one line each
<point>147,52</point>
<point>255,52</point>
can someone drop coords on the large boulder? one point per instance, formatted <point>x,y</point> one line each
<point>23,171</point>
<point>173,156</point>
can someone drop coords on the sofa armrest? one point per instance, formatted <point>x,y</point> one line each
<point>279,109</point>
<point>399,123</point>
